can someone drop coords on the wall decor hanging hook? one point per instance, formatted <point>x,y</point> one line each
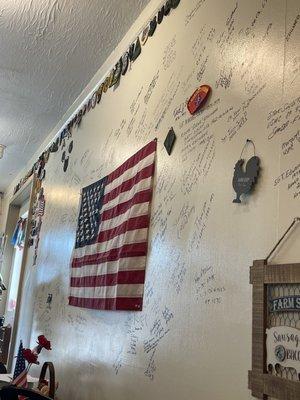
<point>295,220</point>
<point>245,145</point>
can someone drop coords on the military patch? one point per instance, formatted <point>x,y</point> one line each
<point>160,15</point>
<point>125,62</point>
<point>167,8</point>
<point>79,117</point>
<point>153,25</point>
<point>54,146</point>
<point>198,98</point>
<point>145,35</point>
<point>89,105</point>
<point>175,3</point>
<point>70,147</point>
<point>99,92</point>
<point>66,164</point>
<point>46,155</point>
<point>169,141</point>
<point>94,100</point>
<point>136,50</point>
<point>117,73</point>
<point>130,51</point>
<point>106,84</point>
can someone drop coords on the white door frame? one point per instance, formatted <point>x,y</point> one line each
<point>26,192</point>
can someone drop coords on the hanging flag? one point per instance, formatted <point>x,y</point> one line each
<point>109,258</point>
<point>20,373</point>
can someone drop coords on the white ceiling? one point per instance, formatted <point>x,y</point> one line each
<point>50,49</point>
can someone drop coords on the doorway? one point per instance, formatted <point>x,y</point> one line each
<point>18,242</point>
<point>16,257</point>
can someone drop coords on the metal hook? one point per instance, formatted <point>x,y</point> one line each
<point>295,220</point>
<point>248,141</point>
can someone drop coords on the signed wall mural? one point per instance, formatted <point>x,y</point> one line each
<point>192,340</point>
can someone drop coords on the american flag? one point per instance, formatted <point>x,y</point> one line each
<point>20,373</point>
<point>109,258</point>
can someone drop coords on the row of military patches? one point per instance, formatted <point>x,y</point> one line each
<point>135,49</point>
<point>151,27</point>
<point>36,223</point>
<point>23,181</point>
<point>112,80</point>
<point>60,141</point>
<point>38,169</point>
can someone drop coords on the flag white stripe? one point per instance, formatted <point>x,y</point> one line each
<point>144,184</point>
<point>137,210</point>
<point>110,267</point>
<point>108,292</point>
<point>129,237</point>
<point>131,172</point>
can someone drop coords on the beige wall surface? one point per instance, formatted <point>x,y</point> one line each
<point>193,338</point>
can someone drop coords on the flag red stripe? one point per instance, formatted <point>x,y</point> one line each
<point>128,250</point>
<point>20,382</point>
<point>127,185</point>
<point>130,225</point>
<point>120,278</point>
<point>118,303</point>
<point>21,379</point>
<point>140,197</point>
<point>132,161</point>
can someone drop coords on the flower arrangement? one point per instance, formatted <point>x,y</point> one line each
<point>31,356</point>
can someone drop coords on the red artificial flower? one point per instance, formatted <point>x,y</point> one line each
<point>44,342</point>
<point>30,357</point>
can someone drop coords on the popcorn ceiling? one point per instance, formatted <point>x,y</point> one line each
<point>50,49</point>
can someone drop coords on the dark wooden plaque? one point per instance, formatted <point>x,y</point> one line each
<point>5,334</point>
<point>262,383</point>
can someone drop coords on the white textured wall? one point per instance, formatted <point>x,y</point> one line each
<point>193,339</point>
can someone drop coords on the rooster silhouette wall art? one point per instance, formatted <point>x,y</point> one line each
<point>244,179</point>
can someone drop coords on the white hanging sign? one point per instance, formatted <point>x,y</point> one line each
<point>283,347</point>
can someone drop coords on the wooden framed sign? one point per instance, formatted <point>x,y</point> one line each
<point>275,331</point>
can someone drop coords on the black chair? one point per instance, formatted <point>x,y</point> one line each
<point>12,392</point>
<point>3,369</point>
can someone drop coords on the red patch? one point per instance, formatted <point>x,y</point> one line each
<point>198,98</point>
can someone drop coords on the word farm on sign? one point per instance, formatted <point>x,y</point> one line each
<point>286,303</point>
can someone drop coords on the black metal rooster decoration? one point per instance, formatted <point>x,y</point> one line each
<point>244,179</point>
